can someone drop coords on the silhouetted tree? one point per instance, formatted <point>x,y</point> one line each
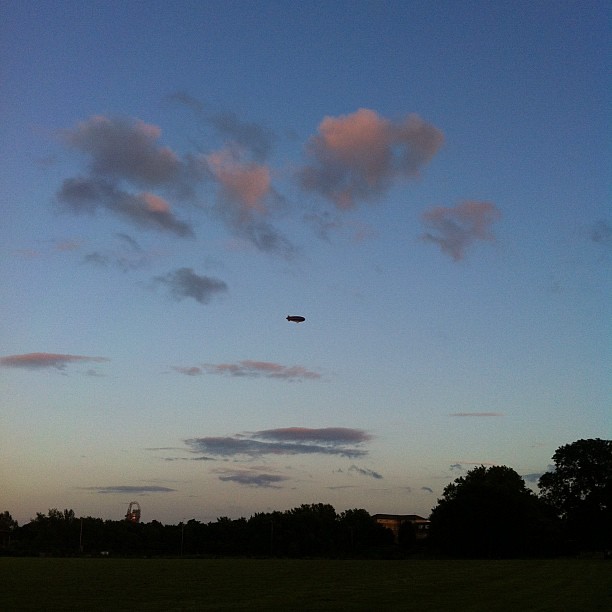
<point>310,530</point>
<point>55,533</point>
<point>8,526</point>
<point>406,536</point>
<point>7,523</point>
<point>489,512</point>
<point>580,490</point>
<point>360,534</point>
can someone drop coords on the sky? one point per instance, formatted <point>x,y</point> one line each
<point>427,183</point>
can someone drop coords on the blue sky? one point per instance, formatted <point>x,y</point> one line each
<point>427,183</point>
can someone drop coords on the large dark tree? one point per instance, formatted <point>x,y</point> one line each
<point>580,489</point>
<point>7,527</point>
<point>7,523</point>
<point>489,512</point>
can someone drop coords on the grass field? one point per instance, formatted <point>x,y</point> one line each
<point>271,584</point>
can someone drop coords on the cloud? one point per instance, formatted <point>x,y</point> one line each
<point>146,210</point>
<point>185,283</point>
<point>328,435</point>
<point>125,149</point>
<point>601,232</point>
<point>246,184</point>
<point>254,369</point>
<point>192,103</point>
<point>476,414</point>
<point>97,259</point>
<point>532,477</point>
<point>246,200</point>
<point>67,245</point>
<point>365,472</point>
<point>359,156</point>
<point>290,441</point>
<point>460,466</point>
<point>253,479</point>
<point>252,137</point>
<point>427,489</point>
<point>133,490</point>
<point>192,371</point>
<point>36,361</point>
<point>455,229</point>
<point>131,242</point>
<point>125,255</point>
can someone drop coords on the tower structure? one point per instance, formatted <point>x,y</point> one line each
<point>133,513</point>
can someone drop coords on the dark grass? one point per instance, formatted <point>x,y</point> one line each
<point>560,585</point>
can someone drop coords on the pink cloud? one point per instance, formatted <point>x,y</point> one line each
<point>455,229</point>
<point>246,199</point>
<point>145,209</point>
<point>247,184</point>
<point>154,203</point>
<point>45,360</point>
<point>358,156</point>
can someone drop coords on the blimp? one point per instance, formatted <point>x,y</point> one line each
<point>295,318</point>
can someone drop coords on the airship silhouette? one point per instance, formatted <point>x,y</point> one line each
<point>295,318</point>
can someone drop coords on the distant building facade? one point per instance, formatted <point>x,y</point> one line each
<point>395,521</point>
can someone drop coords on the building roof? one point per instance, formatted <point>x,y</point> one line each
<point>400,517</point>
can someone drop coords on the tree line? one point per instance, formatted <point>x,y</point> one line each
<point>489,513</point>
<point>310,530</point>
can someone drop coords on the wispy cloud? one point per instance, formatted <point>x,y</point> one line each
<point>427,489</point>
<point>454,230</point>
<point>365,472</point>
<point>252,478</point>
<point>476,414</point>
<point>189,371</point>
<point>343,442</point>
<point>460,465</point>
<point>357,157</point>
<point>601,232</point>
<point>533,478</point>
<point>246,200</point>
<point>254,138</point>
<point>67,245</point>
<point>133,490</point>
<point>145,209</point>
<point>253,369</point>
<point>185,283</point>
<point>125,151</point>
<point>126,255</point>
<point>328,435</point>
<point>36,361</point>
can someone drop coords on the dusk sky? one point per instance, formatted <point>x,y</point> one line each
<point>428,183</point>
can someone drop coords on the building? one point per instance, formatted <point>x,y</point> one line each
<point>395,521</point>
